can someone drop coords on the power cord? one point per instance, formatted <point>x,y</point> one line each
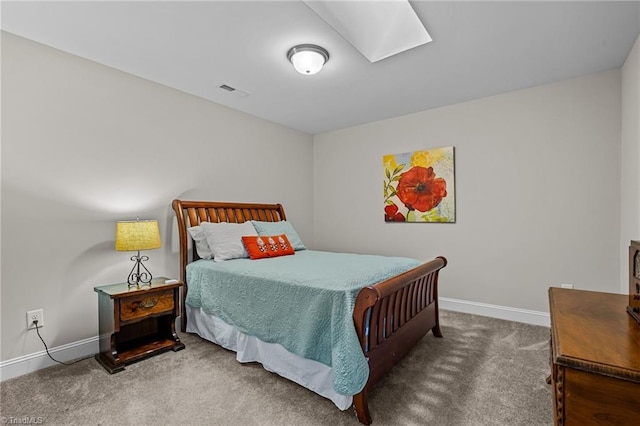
<point>35,323</point>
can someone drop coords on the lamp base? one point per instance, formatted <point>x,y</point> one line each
<point>136,276</point>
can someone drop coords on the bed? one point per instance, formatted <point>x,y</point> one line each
<point>384,318</point>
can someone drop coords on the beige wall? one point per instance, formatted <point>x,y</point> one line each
<point>630,211</point>
<point>83,146</point>
<point>537,191</point>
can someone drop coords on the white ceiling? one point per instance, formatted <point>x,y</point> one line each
<point>478,49</point>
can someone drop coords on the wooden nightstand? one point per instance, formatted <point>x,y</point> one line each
<point>137,322</point>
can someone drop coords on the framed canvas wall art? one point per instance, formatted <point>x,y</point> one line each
<point>419,186</point>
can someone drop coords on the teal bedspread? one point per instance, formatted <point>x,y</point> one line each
<point>303,302</point>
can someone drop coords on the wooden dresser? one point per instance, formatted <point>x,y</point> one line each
<point>595,359</point>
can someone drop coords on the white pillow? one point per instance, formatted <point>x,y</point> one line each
<point>202,246</point>
<point>225,239</point>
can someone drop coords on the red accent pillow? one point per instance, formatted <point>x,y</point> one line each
<point>263,246</point>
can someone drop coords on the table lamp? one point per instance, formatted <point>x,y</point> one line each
<point>136,235</point>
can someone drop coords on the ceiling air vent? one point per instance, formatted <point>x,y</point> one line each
<point>233,90</point>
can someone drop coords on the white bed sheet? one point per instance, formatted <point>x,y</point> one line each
<point>311,374</point>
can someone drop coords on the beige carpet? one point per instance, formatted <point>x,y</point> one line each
<point>483,372</point>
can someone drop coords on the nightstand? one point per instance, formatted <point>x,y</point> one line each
<point>137,322</point>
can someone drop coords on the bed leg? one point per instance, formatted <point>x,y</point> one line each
<point>361,407</point>
<point>436,330</point>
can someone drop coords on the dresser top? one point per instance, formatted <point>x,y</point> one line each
<point>592,331</point>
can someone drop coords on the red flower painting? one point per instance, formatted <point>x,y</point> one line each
<point>419,186</point>
<point>420,189</point>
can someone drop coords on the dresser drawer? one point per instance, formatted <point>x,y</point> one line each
<point>595,399</point>
<point>133,308</point>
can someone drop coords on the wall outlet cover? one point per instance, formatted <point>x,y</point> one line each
<point>32,316</point>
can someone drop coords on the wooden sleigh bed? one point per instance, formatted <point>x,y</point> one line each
<point>389,317</point>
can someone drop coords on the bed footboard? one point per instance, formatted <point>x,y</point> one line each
<point>391,317</point>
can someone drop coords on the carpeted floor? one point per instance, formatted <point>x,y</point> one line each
<point>483,372</point>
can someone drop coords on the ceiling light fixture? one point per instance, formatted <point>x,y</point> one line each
<point>307,59</point>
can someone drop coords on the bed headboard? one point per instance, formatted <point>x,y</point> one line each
<point>192,213</point>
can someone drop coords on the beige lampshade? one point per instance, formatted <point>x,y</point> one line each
<point>137,235</point>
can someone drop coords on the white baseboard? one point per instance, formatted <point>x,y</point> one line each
<point>495,311</point>
<point>29,363</point>
<point>84,348</point>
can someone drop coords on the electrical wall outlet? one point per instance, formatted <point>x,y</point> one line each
<point>566,285</point>
<point>37,315</point>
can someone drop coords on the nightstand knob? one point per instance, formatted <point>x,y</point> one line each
<point>148,303</point>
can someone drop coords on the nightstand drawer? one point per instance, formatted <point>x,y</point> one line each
<point>144,305</point>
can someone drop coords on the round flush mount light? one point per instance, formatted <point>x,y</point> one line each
<point>307,59</point>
